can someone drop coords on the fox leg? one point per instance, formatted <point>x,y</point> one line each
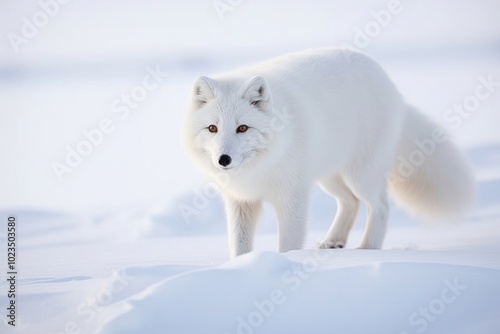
<point>372,190</point>
<point>376,221</point>
<point>347,209</point>
<point>242,219</point>
<point>292,219</point>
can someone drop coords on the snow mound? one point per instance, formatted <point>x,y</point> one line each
<point>269,293</point>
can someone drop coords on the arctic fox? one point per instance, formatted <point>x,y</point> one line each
<point>329,116</point>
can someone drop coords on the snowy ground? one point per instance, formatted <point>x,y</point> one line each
<point>107,250</point>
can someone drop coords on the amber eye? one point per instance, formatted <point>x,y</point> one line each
<point>241,128</point>
<point>212,128</point>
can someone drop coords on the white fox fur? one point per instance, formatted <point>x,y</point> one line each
<point>325,116</point>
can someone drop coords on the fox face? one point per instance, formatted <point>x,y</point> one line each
<point>228,123</point>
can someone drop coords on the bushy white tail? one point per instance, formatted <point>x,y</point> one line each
<point>430,177</point>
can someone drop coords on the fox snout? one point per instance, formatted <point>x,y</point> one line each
<point>225,160</point>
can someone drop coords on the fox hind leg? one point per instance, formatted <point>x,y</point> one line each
<point>376,222</point>
<point>349,195</point>
<point>347,209</point>
<point>371,189</point>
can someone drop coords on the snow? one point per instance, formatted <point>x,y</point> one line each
<point>103,274</point>
<point>186,285</point>
<point>275,294</point>
<point>108,250</point>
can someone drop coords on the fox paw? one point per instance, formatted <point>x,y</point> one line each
<point>331,244</point>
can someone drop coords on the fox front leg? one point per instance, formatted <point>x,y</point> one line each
<point>291,211</point>
<point>242,219</point>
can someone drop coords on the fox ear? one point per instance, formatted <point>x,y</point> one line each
<point>203,90</point>
<point>257,92</point>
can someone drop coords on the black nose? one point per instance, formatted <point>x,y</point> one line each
<point>224,160</point>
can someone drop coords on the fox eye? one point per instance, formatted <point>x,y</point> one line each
<point>212,128</point>
<point>241,129</point>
